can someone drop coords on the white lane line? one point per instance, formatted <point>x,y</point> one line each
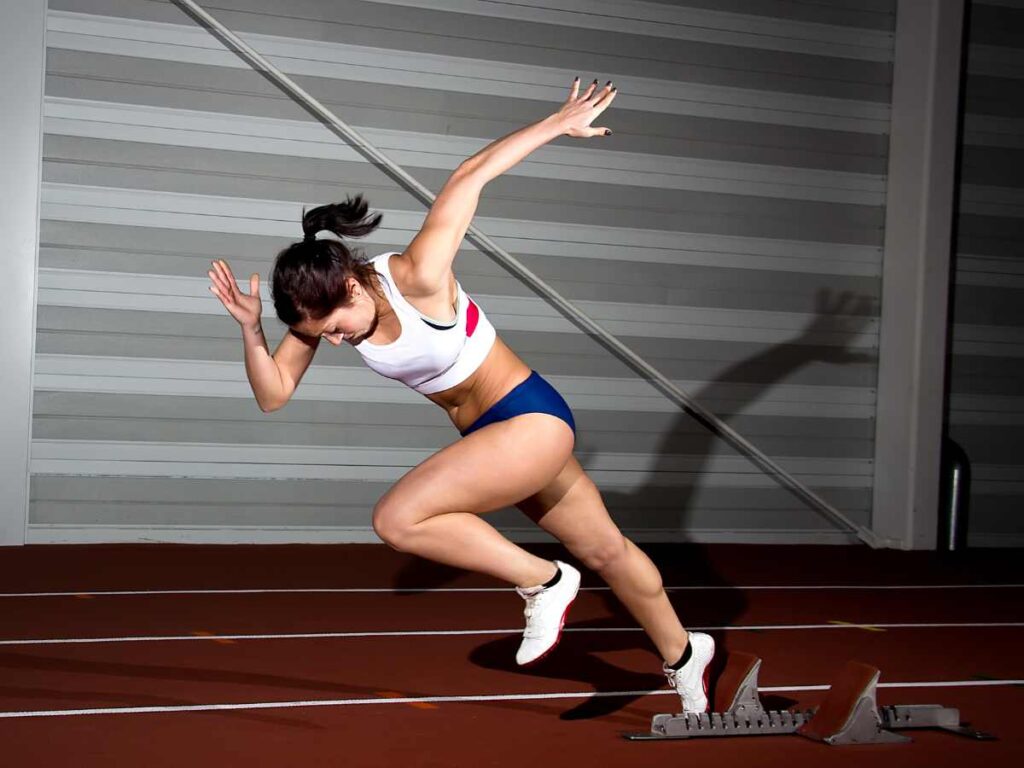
<point>367,590</point>
<point>456,632</point>
<point>460,699</point>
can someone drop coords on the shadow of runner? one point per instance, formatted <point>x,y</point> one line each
<point>691,437</point>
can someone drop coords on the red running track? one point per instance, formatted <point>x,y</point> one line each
<point>599,653</point>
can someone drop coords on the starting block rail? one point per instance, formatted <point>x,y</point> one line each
<point>849,714</point>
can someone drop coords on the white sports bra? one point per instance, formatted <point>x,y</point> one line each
<point>429,356</point>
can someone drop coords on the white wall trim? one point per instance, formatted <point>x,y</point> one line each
<point>682,23</point>
<point>173,293</point>
<point>624,471</point>
<point>95,534</point>
<point>146,124</point>
<point>188,43</point>
<point>357,384</point>
<point>280,218</point>
<point>22,61</point>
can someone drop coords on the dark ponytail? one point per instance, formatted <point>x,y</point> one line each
<point>309,278</point>
<point>348,219</point>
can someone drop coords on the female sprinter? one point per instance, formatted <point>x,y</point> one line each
<point>410,319</point>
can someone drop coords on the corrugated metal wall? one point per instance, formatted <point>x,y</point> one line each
<point>986,410</point>
<point>716,232</point>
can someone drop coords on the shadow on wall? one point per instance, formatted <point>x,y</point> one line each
<point>680,563</point>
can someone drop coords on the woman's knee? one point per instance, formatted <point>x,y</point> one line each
<point>391,525</point>
<point>605,551</point>
<point>620,557</point>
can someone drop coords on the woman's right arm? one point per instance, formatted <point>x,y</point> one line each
<point>273,377</point>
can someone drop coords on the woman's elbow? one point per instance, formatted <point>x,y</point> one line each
<point>269,406</point>
<point>470,171</point>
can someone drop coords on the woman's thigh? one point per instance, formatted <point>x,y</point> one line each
<point>487,470</point>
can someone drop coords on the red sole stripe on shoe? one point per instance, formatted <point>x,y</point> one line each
<point>558,637</point>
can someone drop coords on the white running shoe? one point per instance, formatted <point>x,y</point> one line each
<point>545,614</point>
<point>691,681</point>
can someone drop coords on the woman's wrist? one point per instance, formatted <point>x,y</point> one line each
<point>555,124</point>
<point>252,331</point>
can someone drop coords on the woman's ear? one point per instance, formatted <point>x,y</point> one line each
<point>355,288</point>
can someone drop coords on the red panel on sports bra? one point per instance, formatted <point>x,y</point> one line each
<point>472,318</point>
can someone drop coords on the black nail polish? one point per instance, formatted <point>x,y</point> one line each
<point>608,83</point>
<point>595,81</point>
<point>607,132</point>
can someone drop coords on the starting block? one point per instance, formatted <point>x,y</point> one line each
<point>849,714</point>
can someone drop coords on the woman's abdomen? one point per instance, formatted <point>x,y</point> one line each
<point>499,373</point>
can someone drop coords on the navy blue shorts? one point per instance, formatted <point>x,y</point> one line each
<point>535,395</point>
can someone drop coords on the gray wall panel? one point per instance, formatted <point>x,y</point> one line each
<point>209,420</point>
<point>997,25</point>
<point>995,166</point>
<point>73,74</point>
<point>986,403</point>
<point>685,284</point>
<point>870,14</point>
<point>990,235</point>
<point>68,330</point>
<point>509,40</point>
<point>988,305</point>
<point>508,197</point>
<point>992,443</point>
<point>155,501</point>
<point>994,96</point>
<point>974,375</point>
<point>162,392</point>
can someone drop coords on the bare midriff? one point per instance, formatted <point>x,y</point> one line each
<point>497,375</point>
<point>501,371</point>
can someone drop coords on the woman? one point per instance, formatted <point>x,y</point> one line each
<point>411,320</point>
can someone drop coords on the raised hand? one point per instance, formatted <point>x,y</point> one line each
<point>579,111</point>
<point>246,308</point>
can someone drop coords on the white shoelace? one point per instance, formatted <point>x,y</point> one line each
<point>532,604</point>
<point>671,675</point>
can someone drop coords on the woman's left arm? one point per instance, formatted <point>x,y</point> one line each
<point>433,249</point>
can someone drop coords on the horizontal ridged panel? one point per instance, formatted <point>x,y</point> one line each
<point>718,231</point>
<point>985,404</point>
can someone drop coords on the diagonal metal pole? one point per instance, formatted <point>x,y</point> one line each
<point>496,252</point>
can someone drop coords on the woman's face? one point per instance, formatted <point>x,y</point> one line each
<point>352,322</point>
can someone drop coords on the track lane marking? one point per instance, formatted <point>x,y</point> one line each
<point>397,695</point>
<point>852,625</point>
<point>881,627</point>
<point>464,699</point>
<point>202,634</point>
<point>379,590</point>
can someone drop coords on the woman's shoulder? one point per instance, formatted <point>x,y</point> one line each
<point>408,283</point>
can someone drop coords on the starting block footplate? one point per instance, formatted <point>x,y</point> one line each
<point>849,714</point>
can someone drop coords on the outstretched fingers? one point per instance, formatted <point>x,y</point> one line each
<point>219,289</point>
<point>588,92</point>
<point>605,98</point>
<point>582,109</point>
<point>218,282</point>
<point>223,284</point>
<point>228,278</point>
